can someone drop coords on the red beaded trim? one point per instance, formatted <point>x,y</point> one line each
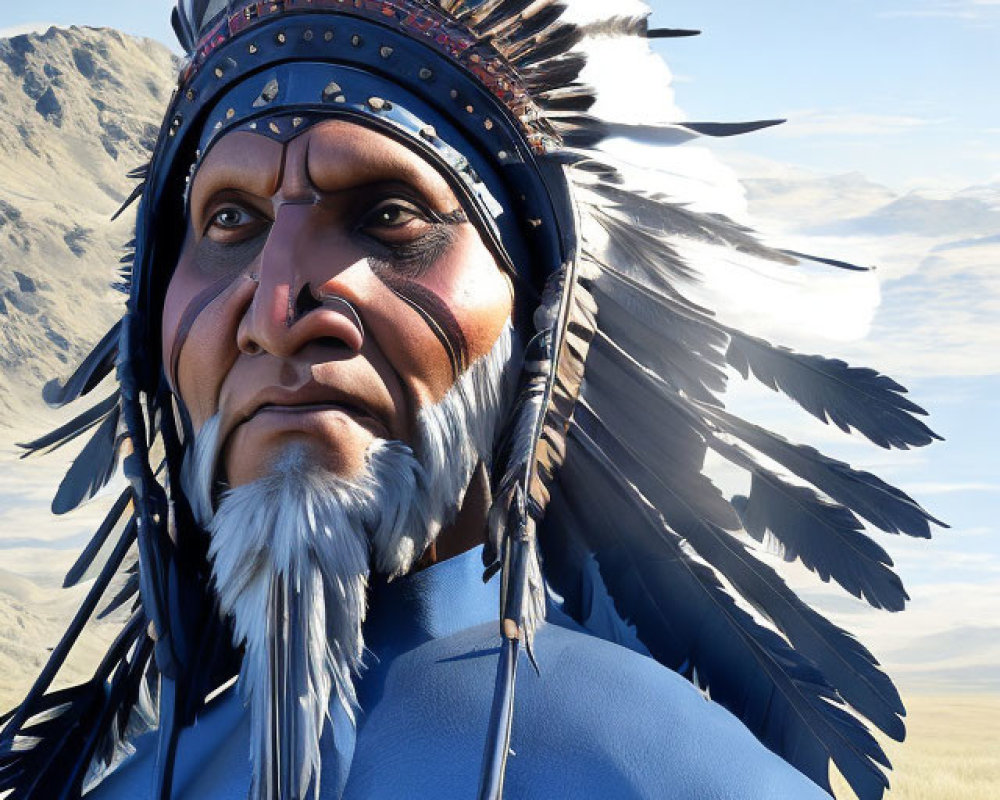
<point>417,20</point>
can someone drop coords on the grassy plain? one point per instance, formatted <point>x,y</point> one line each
<point>951,752</point>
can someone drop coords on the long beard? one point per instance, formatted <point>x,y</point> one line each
<point>291,555</point>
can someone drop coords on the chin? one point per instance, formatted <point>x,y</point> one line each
<point>338,449</point>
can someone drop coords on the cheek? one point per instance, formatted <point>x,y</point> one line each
<point>199,335</point>
<point>465,297</point>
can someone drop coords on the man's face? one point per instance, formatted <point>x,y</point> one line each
<point>255,323</point>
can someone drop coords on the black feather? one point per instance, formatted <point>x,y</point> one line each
<point>97,541</point>
<point>94,368</point>
<point>554,73</point>
<point>833,391</point>
<point>72,429</point>
<point>865,494</point>
<point>827,538</point>
<point>92,468</point>
<point>687,620</point>
<point>721,130</point>
<point>135,195</point>
<point>557,42</point>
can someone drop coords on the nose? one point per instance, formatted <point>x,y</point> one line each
<point>304,290</point>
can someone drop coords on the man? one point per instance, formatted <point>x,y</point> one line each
<point>393,321</point>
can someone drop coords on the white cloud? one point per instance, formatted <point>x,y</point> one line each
<point>26,27</point>
<point>843,122</point>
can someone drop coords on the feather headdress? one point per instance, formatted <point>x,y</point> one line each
<point>603,458</point>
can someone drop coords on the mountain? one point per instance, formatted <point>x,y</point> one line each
<point>81,107</point>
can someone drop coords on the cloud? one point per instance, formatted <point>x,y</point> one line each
<point>26,27</point>
<point>843,122</point>
<point>971,10</point>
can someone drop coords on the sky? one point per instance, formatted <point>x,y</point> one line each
<point>890,157</point>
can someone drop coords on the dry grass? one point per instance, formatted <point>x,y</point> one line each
<point>952,750</point>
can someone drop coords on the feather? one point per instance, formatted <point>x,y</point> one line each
<point>129,590</point>
<point>557,42</point>
<point>97,541</point>
<point>35,702</point>
<point>833,391</point>
<point>554,74</point>
<point>95,367</point>
<point>92,468</point>
<point>827,538</point>
<point>535,25</point>
<point>72,429</point>
<point>685,618</point>
<point>867,495</point>
<point>671,33</point>
<point>830,262</point>
<point>135,195</point>
<point>721,130</point>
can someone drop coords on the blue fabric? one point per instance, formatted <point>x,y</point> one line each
<point>598,721</point>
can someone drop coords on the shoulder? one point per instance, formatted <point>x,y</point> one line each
<point>595,720</point>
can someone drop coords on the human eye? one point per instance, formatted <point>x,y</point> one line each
<point>231,223</point>
<point>395,220</point>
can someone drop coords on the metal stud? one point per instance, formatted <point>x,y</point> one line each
<point>218,72</point>
<point>252,49</point>
<point>331,91</point>
<point>385,51</point>
<point>470,109</point>
<point>425,74</point>
<point>296,121</point>
<point>454,94</point>
<point>230,113</point>
<point>356,40</point>
<point>308,35</point>
<point>274,127</point>
<point>488,124</point>
<point>267,94</point>
<point>328,36</point>
<point>190,95</point>
<point>280,38</point>
<point>376,103</point>
<point>428,132</point>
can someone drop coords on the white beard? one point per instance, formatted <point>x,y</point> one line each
<point>291,553</point>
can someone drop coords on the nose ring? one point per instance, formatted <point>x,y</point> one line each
<point>307,300</point>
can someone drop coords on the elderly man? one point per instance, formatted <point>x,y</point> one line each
<point>392,322</point>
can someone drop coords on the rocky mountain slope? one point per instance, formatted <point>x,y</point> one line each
<point>79,108</point>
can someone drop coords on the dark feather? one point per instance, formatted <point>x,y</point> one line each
<point>721,130</point>
<point>671,33</point>
<point>827,538</point>
<point>833,391</point>
<point>97,541</point>
<point>557,42</point>
<point>687,507</point>
<point>135,195</point>
<point>129,590</point>
<point>92,468</point>
<point>830,262</point>
<point>72,429</point>
<point>686,619</point>
<point>36,700</point>
<point>865,494</point>
<point>95,367</point>
<point>554,73</point>
<point>536,24</point>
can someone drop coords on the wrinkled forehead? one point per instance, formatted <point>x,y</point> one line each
<point>328,157</point>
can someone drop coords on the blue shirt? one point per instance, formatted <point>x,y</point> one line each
<point>599,720</point>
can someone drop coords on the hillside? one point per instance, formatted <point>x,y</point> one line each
<point>80,108</point>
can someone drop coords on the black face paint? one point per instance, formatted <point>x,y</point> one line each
<point>199,303</point>
<point>435,312</point>
<point>407,261</point>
